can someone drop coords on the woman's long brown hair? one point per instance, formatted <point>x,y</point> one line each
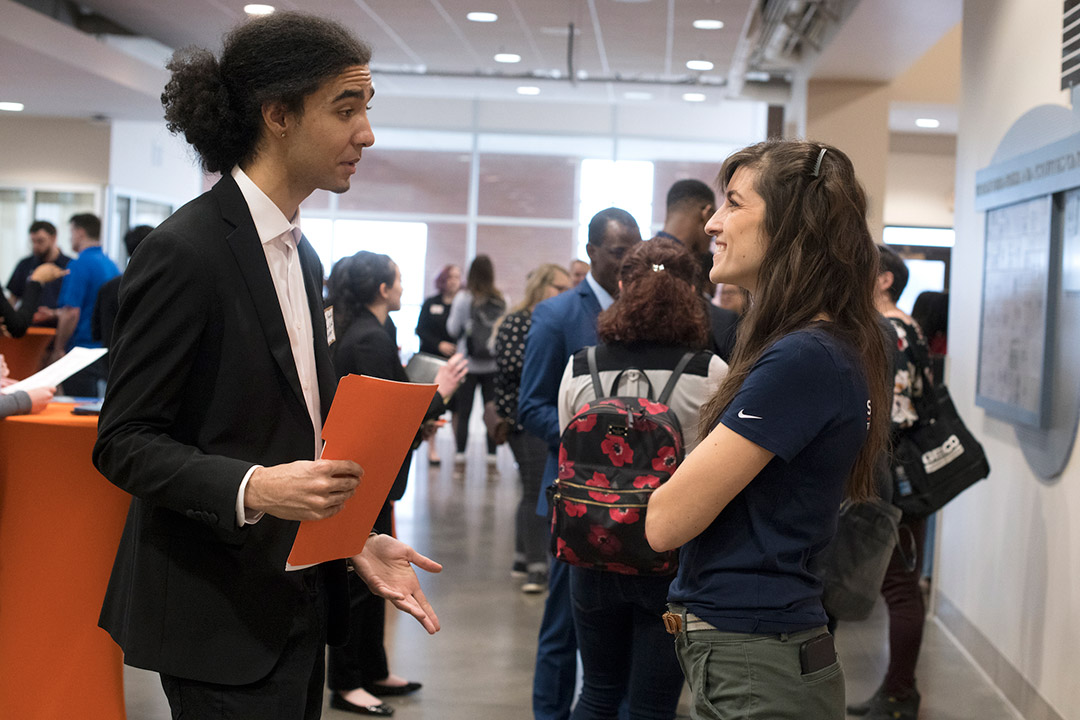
<point>819,259</point>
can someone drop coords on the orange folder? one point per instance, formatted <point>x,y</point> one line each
<point>373,423</point>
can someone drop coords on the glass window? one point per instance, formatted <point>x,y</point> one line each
<point>58,207</point>
<point>151,213</point>
<point>515,251</point>
<point>446,245</point>
<point>626,184</point>
<point>409,181</point>
<point>535,186</point>
<point>14,223</point>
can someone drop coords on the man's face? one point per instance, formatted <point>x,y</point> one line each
<point>79,239</point>
<point>42,244</point>
<point>325,143</point>
<point>607,258</point>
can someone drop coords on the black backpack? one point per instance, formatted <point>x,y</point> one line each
<point>614,453</point>
<point>482,318</point>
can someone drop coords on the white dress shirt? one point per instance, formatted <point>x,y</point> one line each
<point>279,237</point>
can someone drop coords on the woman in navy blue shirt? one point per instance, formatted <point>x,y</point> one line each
<point>793,430</point>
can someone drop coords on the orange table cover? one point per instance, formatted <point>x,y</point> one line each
<point>60,525</point>
<point>25,355</point>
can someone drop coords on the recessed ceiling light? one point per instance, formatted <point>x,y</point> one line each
<point>528,90</point>
<point>482,17</point>
<point>11,106</point>
<point>694,97</point>
<point>507,58</point>
<point>927,122</point>
<point>637,95</point>
<point>258,9</point>
<point>708,24</point>
<point>699,65</point>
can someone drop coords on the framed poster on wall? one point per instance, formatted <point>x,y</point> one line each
<point>1019,285</point>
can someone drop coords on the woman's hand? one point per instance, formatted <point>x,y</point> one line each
<point>40,397</point>
<point>47,272</point>
<point>451,374</point>
<point>447,348</point>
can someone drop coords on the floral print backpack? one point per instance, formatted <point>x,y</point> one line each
<point>614,453</point>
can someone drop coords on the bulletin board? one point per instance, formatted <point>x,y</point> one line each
<point>1018,312</point>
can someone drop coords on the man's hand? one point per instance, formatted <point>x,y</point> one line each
<point>386,566</point>
<point>302,490</point>
<point>447,348</point>
<point>43,315</point>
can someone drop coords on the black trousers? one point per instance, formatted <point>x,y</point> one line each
<point>362,660</point>
<point>464,399</point>
<point>292,691</point>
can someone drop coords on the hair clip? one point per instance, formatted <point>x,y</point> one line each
<point>817,165</point>
<point>657,268</point>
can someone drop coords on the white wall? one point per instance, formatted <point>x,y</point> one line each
<point>1010,546</point>
<point>146,158</point>
<point>919,181</point>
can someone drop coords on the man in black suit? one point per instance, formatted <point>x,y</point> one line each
<point>220,381</point>
<point>690,204</point>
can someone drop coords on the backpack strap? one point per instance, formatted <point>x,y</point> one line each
<point>590,356</point>
<point>665,394</point>
<point>618,379</point>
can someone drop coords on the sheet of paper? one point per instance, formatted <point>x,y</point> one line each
<point>60,370</point>
<point>372,422</point>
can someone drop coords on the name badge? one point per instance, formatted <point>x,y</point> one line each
<point>328,313</point>
<point>438,309</point>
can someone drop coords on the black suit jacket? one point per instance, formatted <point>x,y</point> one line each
<point>202,385</point>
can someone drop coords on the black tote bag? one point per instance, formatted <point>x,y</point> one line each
<point>936,459</point>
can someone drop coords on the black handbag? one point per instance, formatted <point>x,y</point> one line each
<point>852,566</point>
<point>936,459</point>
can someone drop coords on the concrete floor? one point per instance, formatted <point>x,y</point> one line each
<point>479,667</point>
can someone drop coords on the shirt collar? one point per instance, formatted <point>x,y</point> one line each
<point>269,221</point>
<point>601,294</point>
<point>669,236</point>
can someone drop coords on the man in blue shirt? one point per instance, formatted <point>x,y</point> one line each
<point>75,307</point>
<point>560,327</point>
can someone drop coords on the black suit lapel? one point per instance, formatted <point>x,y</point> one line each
<point>246,247</point>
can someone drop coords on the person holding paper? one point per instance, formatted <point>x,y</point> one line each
<point>220,380</point>
<point>21,402</point>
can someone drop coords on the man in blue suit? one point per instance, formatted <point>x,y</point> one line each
<point>560,327</point>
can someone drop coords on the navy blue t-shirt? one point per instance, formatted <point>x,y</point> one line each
<point>806,401</point>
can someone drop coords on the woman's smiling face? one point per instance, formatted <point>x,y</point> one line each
<point>739,233</point>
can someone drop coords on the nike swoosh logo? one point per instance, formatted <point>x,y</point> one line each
<point>744,416</point>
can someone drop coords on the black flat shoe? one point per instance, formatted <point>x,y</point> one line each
<point>376,688</point>
<point>339,703</point>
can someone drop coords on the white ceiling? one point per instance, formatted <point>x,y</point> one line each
<point>632,45</point>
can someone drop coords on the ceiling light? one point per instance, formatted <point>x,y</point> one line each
<point>528,90</point>
<point>257,9</point>
<point>927,122</point>
<point>694,97</point>
<point>708,24</point>
<point>482,17</point>
<point>637,95</point>
<point>11,106</point>
<point>699,65</point>
<point>507,58</point>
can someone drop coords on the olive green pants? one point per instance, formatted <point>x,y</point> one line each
<point>754,677</point>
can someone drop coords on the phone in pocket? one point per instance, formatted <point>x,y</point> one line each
<point>817,653</point>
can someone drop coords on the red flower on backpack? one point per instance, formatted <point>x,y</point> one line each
<point>562,551</point>
<point>566,467</point>
<point>642,482</point>
<point>574,509</point>
<point>626,516</point>
<point>621,568</point>
<point>644,425</point>
<point>654,407</point>
<point>665,459</point>
<point>602,539</point>
<point>585,424</point>
<point>617,450</point>
<point>599,480</point>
